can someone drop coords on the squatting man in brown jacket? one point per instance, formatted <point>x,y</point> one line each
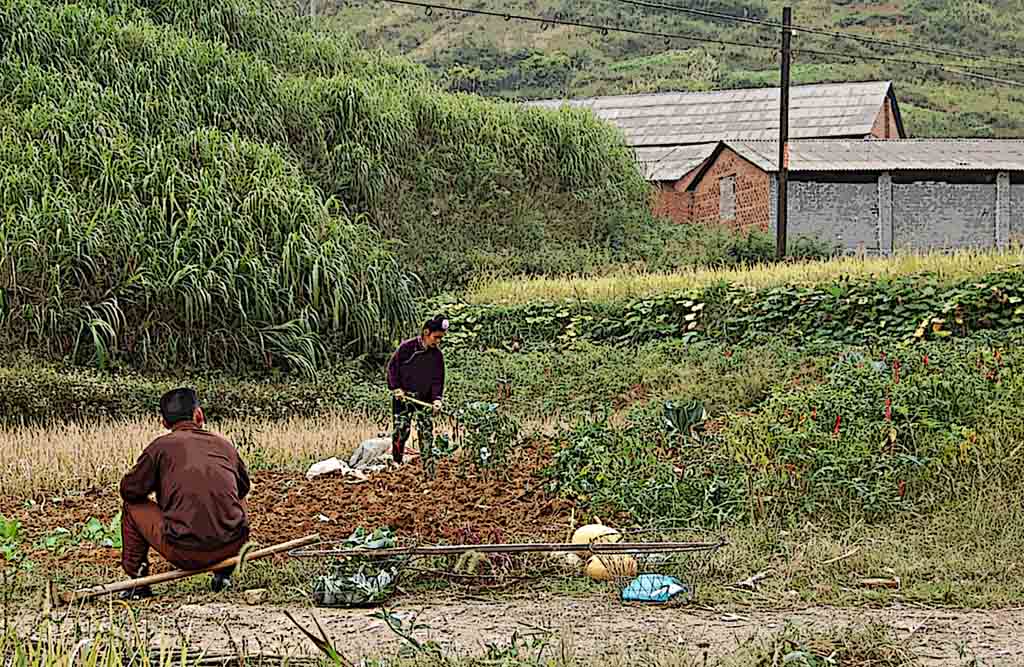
<point>200,481</point>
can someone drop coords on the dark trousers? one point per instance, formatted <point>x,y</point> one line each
<point>403,413</point>
<point>142,528</point>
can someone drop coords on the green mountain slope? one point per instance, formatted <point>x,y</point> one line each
<point>493,57</point>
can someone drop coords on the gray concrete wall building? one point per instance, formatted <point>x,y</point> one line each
<point>943,213</point>
<point>1015,230</point>
<point>880,197</point>
<point>906,212</point>
<point>840,213</point>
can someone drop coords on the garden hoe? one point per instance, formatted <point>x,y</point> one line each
<point>95,591</point>
<point>424,404</point>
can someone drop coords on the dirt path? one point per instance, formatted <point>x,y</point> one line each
<point>598,625</point>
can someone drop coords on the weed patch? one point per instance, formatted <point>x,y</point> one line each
<point>887,431</point>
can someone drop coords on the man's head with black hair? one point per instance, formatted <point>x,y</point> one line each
<point>179,405</point>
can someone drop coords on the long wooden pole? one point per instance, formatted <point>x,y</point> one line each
<point>424,404</point>
<point>541,547</point>
<point>85,593</point>
<point>782,206</point>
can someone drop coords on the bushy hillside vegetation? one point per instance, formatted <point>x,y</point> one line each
<point>219,184</point>
<point>511,59</point>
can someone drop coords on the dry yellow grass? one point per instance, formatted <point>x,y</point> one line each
<point>70,457</point>
<point>638,284</point>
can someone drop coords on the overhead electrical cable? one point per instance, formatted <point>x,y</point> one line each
<point>775,25</point>
<point>605,29</point>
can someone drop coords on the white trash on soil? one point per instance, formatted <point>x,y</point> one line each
<point>369,451</point>
<point>370,456</point>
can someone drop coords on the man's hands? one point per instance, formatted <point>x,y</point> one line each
<point>401,395</point>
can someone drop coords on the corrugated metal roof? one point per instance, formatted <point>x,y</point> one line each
<point>888,155</point>
<point>664,119</point>
<point>670,163</point>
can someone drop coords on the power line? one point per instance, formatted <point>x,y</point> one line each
<point>604,29</point>
<point>933,50</point>
<point>916,63</point>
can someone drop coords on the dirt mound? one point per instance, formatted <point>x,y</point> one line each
<point>453,505</point>
<point>459,504</point>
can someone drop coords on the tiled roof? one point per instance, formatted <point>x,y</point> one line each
<point>668,119</point>
<point>888,155</point>
<point>673,162</point>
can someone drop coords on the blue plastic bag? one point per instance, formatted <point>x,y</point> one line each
<point>654,588</point>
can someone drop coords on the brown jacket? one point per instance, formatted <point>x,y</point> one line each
<point>199,480</point>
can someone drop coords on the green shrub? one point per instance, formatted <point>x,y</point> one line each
<point>886,430</point>
<point>621,471</point>
<point>33,391</point>
<point>192,184</point>
<point>849,311</point>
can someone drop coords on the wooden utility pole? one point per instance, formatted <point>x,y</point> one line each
<point>782,207</point>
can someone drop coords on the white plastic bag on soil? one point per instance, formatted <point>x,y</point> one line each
<point>325,468</point>
<point>369,452</point>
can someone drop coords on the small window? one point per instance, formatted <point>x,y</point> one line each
<point>727,198</point>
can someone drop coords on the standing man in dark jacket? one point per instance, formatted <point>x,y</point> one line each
<point>416,369</point>
<point>199,517</point>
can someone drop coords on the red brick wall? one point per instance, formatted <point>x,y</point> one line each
<point>671,203</point>
<point>885,124</point>
<point>753,194</point>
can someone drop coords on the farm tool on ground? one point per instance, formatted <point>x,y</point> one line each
<point>656,572</point>
<point>95,591</point>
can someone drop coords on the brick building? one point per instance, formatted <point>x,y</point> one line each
<point>875,196</point>
<point>672,134</point>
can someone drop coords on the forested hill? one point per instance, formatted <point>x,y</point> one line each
<point>495,57</point>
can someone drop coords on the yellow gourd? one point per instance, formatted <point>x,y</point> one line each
<point>595,532</point>
<point>605,568</point>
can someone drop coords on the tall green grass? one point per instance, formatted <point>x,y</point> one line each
<point>217,184</point>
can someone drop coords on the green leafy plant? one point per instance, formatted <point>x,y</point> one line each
<point>10,547</point>
<point>104,535</point>
<point>861,311</point>
<point>58,539</point>
<point>360,581</point>
<point>486,434</point>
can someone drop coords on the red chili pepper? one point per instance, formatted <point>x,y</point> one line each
<point>835,430</point>
<point>888,409</point>
<point>814,413</point>
<point>926,359</point>
<point>896,371</point>
<point>901,488</point>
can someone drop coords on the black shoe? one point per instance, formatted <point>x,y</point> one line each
<point>220,582</point>
<point>137,593</point>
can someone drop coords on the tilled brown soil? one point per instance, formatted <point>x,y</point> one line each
<point>459,504</point>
